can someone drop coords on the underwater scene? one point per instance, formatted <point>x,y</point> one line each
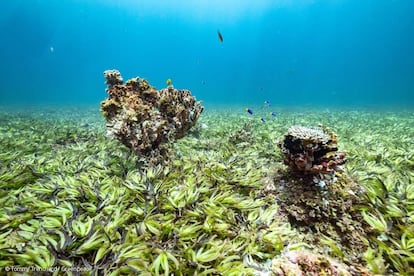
<point>268,137</point>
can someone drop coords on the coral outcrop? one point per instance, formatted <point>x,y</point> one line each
<point>317,196</point>
<point>312,151</point>
<point>144,119</point>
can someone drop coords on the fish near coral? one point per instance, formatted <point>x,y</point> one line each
<point>248,110</point>
<point>168,81</point>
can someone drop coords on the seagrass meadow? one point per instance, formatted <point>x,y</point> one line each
<point>224,205</point>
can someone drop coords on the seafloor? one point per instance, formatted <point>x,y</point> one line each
<point>72,199</point>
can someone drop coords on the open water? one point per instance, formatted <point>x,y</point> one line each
<point>303,52</point>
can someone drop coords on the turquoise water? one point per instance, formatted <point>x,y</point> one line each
<point>315,53</point>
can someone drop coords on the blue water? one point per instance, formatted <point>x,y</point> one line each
<point>290,52</point>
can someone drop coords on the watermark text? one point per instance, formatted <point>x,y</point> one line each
<point>48,269</point>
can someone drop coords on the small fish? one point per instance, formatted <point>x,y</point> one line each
<point>249,111</point>
<point>274,114</point>
<point>220,37</point>
<point>263,120</point>
<point>266,104</point>
<point>168,81</point>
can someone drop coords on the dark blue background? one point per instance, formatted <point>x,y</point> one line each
<point>289,52</point>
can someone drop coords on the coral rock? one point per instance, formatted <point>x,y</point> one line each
<point>303,262</point>
<point>314,195</point>
<point>311,151</point>
<point>144,119</point>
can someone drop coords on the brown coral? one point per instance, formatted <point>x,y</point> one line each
<point>311,151</point>
<point>144,119</point>
<point>315,194</point>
